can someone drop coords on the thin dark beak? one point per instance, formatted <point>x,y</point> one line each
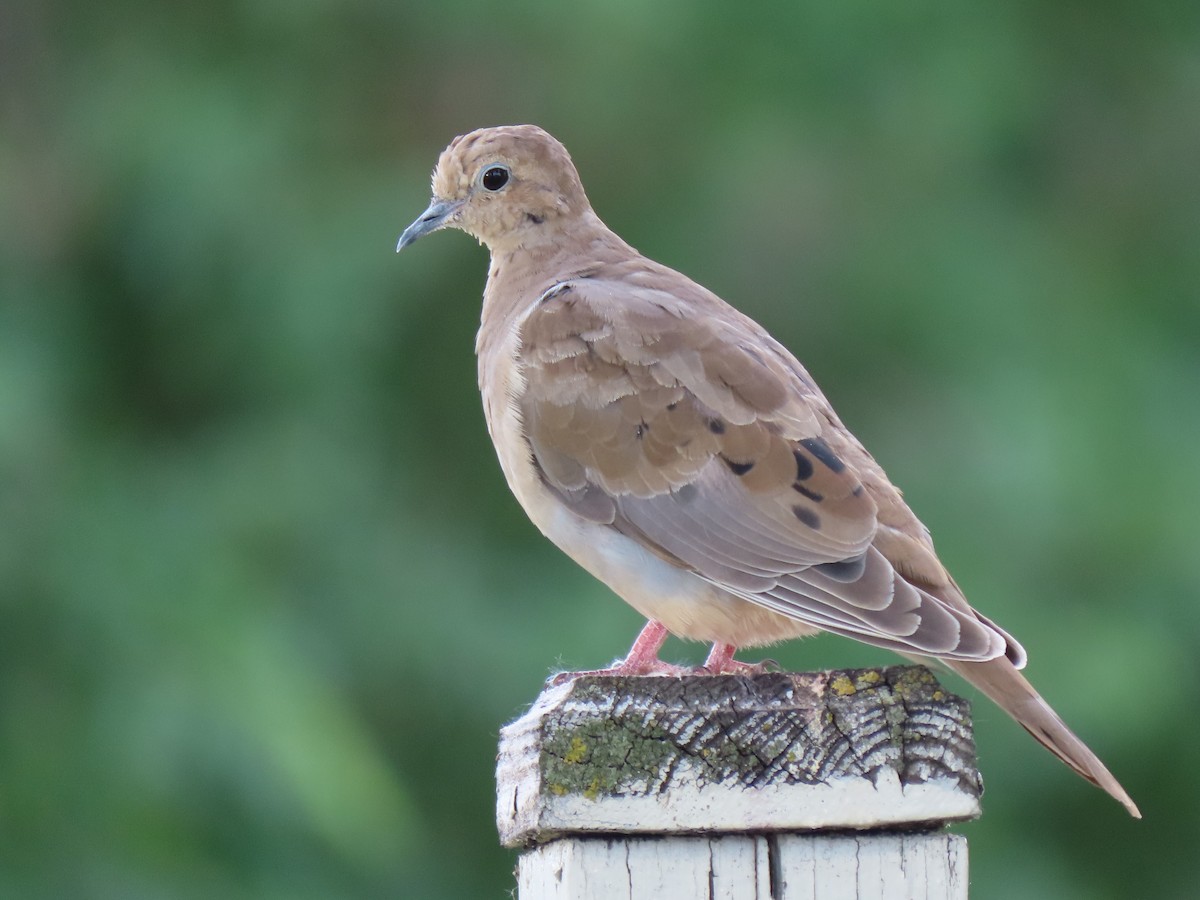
<point>431,220</point>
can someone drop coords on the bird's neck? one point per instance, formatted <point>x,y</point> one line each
<point>520,274</point>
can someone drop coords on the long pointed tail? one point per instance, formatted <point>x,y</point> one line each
<point>1007,687</point>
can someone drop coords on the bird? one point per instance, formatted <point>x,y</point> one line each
<point>680,454</point>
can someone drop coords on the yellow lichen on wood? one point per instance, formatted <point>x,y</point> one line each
<point>842,686</point>
<point>577,751</point>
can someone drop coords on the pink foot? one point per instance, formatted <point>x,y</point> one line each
<point>721,662</point>
<point>642,659</point>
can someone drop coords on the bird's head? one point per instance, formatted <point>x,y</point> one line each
<point>510,186</point>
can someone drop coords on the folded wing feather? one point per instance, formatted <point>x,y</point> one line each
<point>664,417</point>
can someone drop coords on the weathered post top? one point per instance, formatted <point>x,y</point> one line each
<point>817,750</point>
<point>743,760</point>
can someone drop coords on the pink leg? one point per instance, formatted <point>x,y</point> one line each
<point>642,659</point>
<point>719,657</point>
<point>721,662</point>
<point>643,655</point>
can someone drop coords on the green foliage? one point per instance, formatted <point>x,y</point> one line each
<point>265,597</point>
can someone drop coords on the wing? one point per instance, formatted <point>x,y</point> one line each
<point>655,408</point>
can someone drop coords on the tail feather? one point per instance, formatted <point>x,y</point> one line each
<point>1007,687</point>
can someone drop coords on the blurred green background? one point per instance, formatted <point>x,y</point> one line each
<point>265,596</point>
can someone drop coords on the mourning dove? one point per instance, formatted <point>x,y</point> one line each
<point>683,456</point>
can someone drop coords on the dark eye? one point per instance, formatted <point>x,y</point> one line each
<point>494,178</point>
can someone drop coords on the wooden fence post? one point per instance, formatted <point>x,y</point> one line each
<point>779,786</point>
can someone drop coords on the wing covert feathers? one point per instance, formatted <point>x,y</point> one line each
<point>682,424</point>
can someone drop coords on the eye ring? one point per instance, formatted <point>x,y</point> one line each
<point>495,177</point>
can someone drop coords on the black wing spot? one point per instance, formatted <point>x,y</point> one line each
<point>716,426</point>
<point>811,495</point>
<point>686,493</point>
<point>818,448</point>
<point>804,466</point>
<point>738,468</point>
<point>846,571</point>
<point>807,516</point>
